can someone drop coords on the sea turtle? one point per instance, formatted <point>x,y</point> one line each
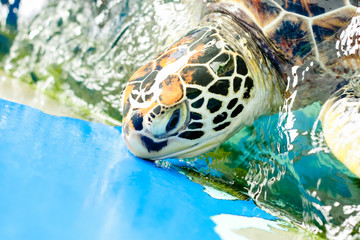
<point>246,59</point>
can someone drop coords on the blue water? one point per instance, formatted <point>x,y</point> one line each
<point>64,178</point>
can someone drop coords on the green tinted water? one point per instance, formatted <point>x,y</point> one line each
<point>82,52</point>
<point>284,164</point>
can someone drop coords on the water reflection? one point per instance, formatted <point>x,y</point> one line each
<point>288,175</point>
<point>83,52</point>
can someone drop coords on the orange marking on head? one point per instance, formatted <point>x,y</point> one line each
<point>187,76</point>
<point>127,93</point>
<point>172,90</point>
<point>166,61</point>
<point>142,72</point>
<point>170,57</point>
<point>200,47</point>
<point>195,57</point>
<point>145,111</point>
<point>183,41</point>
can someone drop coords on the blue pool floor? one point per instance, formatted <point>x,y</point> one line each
<point>64,178</point>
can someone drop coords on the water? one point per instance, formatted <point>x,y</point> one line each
<point>82,52</point>
<point>290,172</point>
<point>86,51</point>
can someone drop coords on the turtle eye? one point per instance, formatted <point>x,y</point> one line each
<point>173,121</point>
<point>168,121</point>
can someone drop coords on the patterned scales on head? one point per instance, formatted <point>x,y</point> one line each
<point>232,69</point>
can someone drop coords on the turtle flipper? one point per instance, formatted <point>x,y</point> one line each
<point>340,118</point>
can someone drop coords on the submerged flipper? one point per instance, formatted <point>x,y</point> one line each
<point>340,117</point>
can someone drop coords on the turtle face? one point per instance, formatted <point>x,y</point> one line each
<point>187,100</point>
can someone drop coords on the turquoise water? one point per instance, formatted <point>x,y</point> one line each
<point>283,163</point>
<point>86,51</point>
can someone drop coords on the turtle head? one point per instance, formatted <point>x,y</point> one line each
<point>189,99</point>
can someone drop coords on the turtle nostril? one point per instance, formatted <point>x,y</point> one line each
<point>173,121</point>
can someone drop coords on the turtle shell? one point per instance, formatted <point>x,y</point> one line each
<point>303,28</point>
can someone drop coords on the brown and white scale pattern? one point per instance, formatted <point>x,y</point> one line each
<point>206,72</point>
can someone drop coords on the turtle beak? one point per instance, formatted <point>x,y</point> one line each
<point>138,143</point>
<point>132,136</point>
<point>134,143</point>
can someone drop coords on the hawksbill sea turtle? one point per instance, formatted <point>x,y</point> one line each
<point>244,60</point>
